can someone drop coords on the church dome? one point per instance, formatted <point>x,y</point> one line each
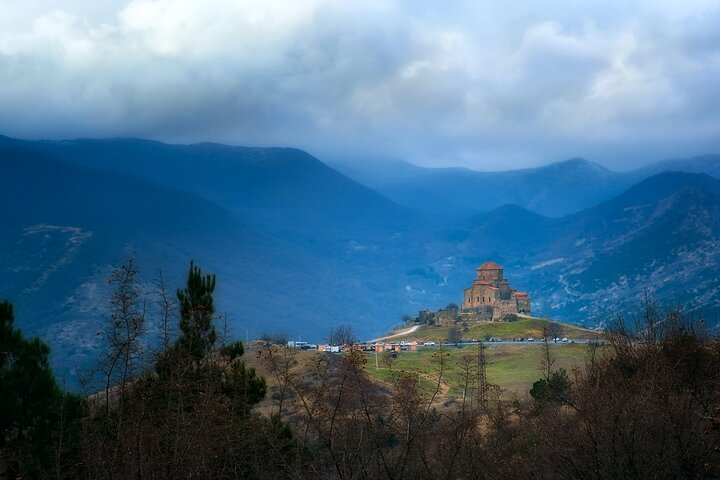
<point>490,266</point>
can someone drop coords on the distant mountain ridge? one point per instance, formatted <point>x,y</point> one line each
<point>553,190</point>
<point>709,164</point>
<point>285,191</point>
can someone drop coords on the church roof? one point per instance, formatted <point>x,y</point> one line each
<point>521,294</point>
<point>490,266</point>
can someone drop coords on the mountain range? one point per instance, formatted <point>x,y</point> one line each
<point>299,247</point>
<point>660,236</point>
<point>553,190</point>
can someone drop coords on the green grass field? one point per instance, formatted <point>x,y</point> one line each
<point>512,367</point>
<point>525,327</point>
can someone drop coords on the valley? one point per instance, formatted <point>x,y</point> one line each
<point>299,247</point>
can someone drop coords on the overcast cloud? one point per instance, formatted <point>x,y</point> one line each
<point>490,85</point>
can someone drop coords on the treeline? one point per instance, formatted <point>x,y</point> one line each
<point>647,405</point>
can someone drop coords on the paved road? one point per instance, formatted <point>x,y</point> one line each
<point>510,342</point>
<point>399,334</point>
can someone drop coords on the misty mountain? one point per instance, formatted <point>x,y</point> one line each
<point>361,244</point>
<point>553,190</point>
<point>709,164</point>
<point>290,196</point>
<point>374,172</point>
<point>64,227</point>
<point>283,190</point>
<point>661,235</point>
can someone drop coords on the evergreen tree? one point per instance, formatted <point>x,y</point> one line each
<point>36,416</point>
<point>197,333</point>
<point>554,388</point>
<point>194,418</point>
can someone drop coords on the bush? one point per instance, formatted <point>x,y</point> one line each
<point>554,388</point>
<point>233,350</point>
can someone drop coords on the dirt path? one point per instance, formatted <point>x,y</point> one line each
<point>399,334</point>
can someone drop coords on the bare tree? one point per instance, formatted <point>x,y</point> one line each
<point>274,339</point>
<point>166,310</point>
<point>548,361</point>
<point>554,330</point>
<point>119,363</point>
<point>342,335</point>
<point>649,406</point>
<point>454,335</point>
<point>280,360</point>
<point>124,330</point>
<point>467,373</point>
<point>388,358</point>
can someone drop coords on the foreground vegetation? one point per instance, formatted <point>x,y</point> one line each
<point>645,406</point>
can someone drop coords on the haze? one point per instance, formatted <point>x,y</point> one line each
<point>488,85</point>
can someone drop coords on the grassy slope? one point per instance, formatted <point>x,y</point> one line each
<point>526,327</point>
<point>513,367</point>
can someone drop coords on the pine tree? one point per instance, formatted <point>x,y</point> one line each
<point>197,333</point>
<point>36,416</point>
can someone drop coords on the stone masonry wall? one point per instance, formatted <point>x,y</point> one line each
<point>504,307</point>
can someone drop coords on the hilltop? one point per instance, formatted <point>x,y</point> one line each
<point>524,327</point>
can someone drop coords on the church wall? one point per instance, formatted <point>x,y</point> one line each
<point>479,295</point>
<point>467,302</point>
<point>524,305</point>
<point>492,295</point>
<point>479,314</point>
<point>504,307</point>
<point>492,276</point>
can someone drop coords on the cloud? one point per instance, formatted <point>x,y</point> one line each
<point>488,85</point>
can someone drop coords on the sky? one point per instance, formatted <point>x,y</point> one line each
<point>490,85</point>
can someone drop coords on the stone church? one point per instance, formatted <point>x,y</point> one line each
<point>491,294</point>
